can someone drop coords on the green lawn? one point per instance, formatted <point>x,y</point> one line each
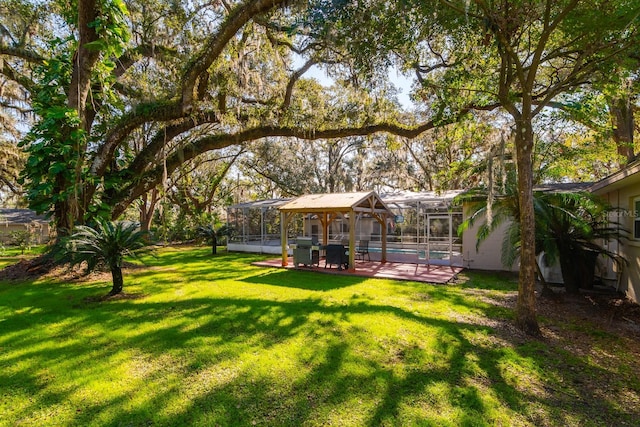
<point>211,340</point>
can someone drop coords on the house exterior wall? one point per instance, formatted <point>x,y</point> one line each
<point>488,256</point>
<point>622,195</point>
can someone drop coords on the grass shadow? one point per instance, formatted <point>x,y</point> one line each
<point>307,280</point>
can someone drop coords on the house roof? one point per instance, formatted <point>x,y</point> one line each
<point>411,198</point>
<point>342,202</point>
<point>20,216</point>
<point>368,202</point>
<point>625,176</point>
<point>394,199</point>
<point>563,187</point>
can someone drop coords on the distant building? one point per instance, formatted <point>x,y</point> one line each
<point>23,219</point>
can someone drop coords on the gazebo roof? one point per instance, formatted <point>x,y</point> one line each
<point>367,202</point>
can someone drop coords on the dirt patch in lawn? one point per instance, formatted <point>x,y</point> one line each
<point>590,345</point>
<point>605,309</point>
<point>601,332</point>
<point>27,269</point>
<point>33,268</point>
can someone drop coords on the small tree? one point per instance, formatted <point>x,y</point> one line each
<point>21,239</point>
<point>106,244</point>
<point>211,235</point>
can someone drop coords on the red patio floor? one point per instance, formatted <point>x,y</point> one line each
<point>389,270</point>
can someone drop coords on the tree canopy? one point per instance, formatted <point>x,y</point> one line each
<point>195,77</point>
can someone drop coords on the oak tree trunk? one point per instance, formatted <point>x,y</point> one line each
<point>623,128</point>
<point>71,210</point>
<point>526,303</point>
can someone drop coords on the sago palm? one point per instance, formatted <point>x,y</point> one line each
<point>212,236</point>
<point>570,228</point>
<point>107,243</point>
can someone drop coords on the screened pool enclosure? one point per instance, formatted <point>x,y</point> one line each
<point>423,228</point>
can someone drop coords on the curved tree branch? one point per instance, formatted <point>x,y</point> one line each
<point>292,81</point>
<point>144,113</point>
<point>22,53</point>
<point>146,51</point>
<point>217,42</point>
<point>149,179</point>
<point>168,133</point>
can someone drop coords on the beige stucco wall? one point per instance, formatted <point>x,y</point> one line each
<point>622,195</point>
<point>488,256</point>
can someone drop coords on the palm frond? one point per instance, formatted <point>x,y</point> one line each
<point>511,245</point>
<point>106,243</point>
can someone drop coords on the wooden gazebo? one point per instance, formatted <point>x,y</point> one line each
<point>330,207</point>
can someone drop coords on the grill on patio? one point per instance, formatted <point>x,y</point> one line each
<point>306,252</point>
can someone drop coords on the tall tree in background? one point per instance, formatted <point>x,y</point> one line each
<point>326,166</point>
<point>453,157</point>
<point>17,27</point>
<point>11,164</point>
<point>574,150</point>
<point>609,108</point>
<point>622,97</point>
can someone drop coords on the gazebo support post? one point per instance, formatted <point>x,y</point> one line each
<point>352,242</point>
<point>325,228</point>
<point>382,220</point>
<point>284,236</point>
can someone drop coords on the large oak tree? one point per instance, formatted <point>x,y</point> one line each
<point>199,76</point>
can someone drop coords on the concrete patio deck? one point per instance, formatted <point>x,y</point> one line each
<point>438,274</point>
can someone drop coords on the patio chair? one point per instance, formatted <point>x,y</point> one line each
<point>363,249</point>
<point>336,254</point>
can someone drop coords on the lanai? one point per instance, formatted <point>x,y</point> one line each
<point>330,207</point>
